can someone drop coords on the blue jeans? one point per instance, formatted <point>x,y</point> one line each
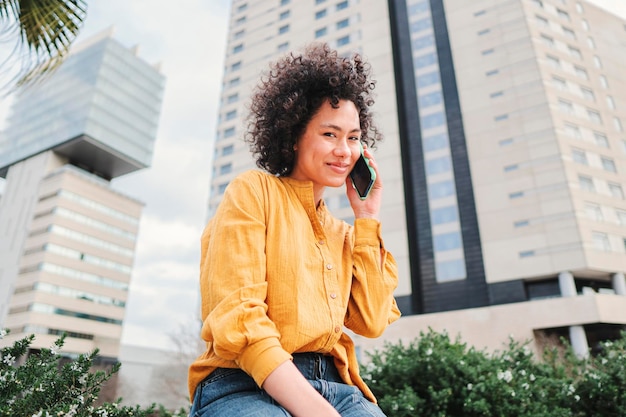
<point>231,392</point>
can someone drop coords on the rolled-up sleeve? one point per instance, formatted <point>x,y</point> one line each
<point>372,306</point>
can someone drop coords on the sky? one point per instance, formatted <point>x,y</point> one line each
<point>188,40</point>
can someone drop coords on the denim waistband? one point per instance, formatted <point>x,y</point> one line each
<point>316,366</point>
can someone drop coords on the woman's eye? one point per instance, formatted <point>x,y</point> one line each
<point>355,138</point>
<point>329,134</point>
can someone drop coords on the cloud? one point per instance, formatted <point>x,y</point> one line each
<point>188,41</point>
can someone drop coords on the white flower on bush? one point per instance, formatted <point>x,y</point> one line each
<point>470,386</point>
<point>506,375</point>
<point>429,352</point>
<point>8,359</point>
<point>2,333</point>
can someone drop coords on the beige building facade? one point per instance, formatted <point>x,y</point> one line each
<point>504,159</point>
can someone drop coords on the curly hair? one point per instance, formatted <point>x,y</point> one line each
<point>293,91</point>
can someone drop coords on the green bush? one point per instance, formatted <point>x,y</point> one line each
<point>433,376</point>
<point>37,384</point>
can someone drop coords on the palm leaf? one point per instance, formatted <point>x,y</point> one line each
<point>44,31</point>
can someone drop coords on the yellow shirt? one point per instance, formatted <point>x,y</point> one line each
<point>278,276</point>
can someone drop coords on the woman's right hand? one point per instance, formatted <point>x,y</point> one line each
<point>289,387</point>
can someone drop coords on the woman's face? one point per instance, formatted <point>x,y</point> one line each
<point>329,146</point>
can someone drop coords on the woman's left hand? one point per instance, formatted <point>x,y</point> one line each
<point>370,207</point>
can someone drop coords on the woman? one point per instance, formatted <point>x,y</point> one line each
<point>280,276</point>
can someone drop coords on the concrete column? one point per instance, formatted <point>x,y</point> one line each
<point>578,339</point>
<point>619,283</point>
<point>567,285</point>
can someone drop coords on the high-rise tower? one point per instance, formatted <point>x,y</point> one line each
<point>504,160</point>
<point>67,239</point>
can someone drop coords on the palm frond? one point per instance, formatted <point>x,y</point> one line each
<point>44,31</point>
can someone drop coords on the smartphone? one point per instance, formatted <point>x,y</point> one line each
<point>362,176</point>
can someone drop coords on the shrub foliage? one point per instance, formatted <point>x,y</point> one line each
<point>41,384</point>
<point>434,376</point>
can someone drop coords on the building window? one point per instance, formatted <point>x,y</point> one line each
<point>228,133</point>
<point>450,270</point>
<point>480,13</point>
<point>553,61</point>
<point>597,62</point>
<point>501,117</point>
<point>618,124</point>
<point>573,131</point>
<point>234,82</point>
<point>594,116</point>
<point>240,21</point>
<point>591,43</point>
<point>594,212</point>
<point>548,41</point>
<point>433,120</point>
<point>587,93</point>
<point>521,223</point>
<point>447,241</point>
<point>431,99</point>
<point>320,13</point>
<point>239,34</point>
<point>419,7</point>
<point>492,72</point>
<point>428,79</point>
<point>562,14</point>
<point>441,189</point>
<point>621,216</point>
<point>601,241</point>
<point>586,183</point>
<point>483,32</point>
<point>242,7</point>
<point>238,48</point>
<point>284,2</point>
<point>231,115</point>
<point>228,150</point>
<point>320,32</point>
<point>610,102</point>
<point>283,47</point>
<point>344,40</point>
<point>579,156</point>
<point>559,83</point>
<point>443,215</point>
<point>423,42</point>
<point>542,21</point>
<point>344,23</point>
<point>425,60</point>
<point>283,29</point>
<point>608,164</point>
<point>575,52</point>
<point>585,25</point>
<point>434,142</point>
<point>616,190</point>
<point>488,51</point>
<point>603,82</point>
<point>579,8</point>
<point>527,254</point>
<point>515,195</point>
<point>438,165</point>
<point>226,168</point>
<point>284,15</point>
<point>421,24</point>
<point>496,94</point>
<point>320,1</point>
<point>601,139</point>
<point>566,106</point>
<point>233,98</point>
<point>342,5</point>
<point>538,3</point>
<point>569,33</point>
<point>581,73</point>
<point>236,66</point>
<point>221,188</point>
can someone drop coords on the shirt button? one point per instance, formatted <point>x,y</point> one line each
<point>329,266</point>
<point>337,329</point>
<point>333,296</point>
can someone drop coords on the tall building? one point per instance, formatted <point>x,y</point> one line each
<point>67,239</point>
<point>504,161</point>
